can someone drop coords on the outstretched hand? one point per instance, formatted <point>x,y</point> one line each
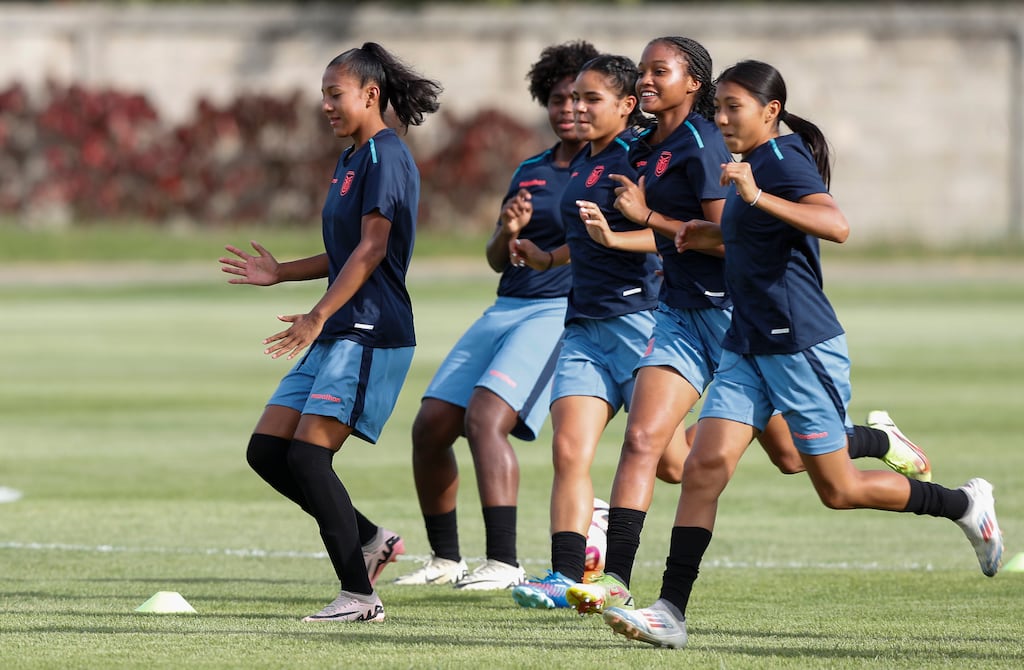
<point>260,270</point>
<point>304,330</point>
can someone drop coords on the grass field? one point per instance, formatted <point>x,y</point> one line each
<point>125,408</point>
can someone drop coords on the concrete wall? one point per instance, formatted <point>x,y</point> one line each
<point>924,105</point>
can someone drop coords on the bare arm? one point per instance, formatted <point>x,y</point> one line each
<point>640,241</point>
<point>264,270</point>
<point>816,214</point>
<point>515,214</point>
<point>305,328</point>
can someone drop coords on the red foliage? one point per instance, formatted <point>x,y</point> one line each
<point>104,155</point>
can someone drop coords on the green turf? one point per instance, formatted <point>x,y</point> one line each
<point>124,413</point>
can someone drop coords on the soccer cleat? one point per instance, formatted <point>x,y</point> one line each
<point>351,607</point>
<point>600,592</point>
<point>903,456</point>
<point>492,576</point>
<point>981,527</point>
<point>545,593</point>
<point>435,571</point>
<point>655,625</point>
<point>384,548</point>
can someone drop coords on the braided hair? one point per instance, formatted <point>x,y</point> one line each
<point>765,83</point>
<point>410,95</point>
<point>698,62</point>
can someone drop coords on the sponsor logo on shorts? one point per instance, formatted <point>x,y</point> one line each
<point>810,436</point>
<point>324,396</point>
<point>503,377</point>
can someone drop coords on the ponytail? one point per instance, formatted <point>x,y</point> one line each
<point>765,83</point>
<point>814,139</point>
<point>411,96</point>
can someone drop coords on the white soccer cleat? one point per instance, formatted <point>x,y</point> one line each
<point>435,571</point>
<point>351,607</point>
<point>492,576</point>
<point>981,527</point>
<point>656,625</point>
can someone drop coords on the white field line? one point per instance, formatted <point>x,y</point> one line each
<point>729,563</point>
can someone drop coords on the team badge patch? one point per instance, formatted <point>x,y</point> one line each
<point>663,160</point>
<point>595,175</point>
<point>347,183</point>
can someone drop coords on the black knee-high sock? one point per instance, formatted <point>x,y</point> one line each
<point>624,526</point>
<point>333,511</point>
<point>443,535</point>
<point>569,554</point>
<point>268,457</point>
<point>500,533</point>
<point>867,442</point>
<point>928,499</point>
<point>684,556</point>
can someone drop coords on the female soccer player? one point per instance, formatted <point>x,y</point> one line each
<point>679,165</point>
<point>496,381</point>
<point>360,333</point>
<point>784,349</point>
<point>608,320</point>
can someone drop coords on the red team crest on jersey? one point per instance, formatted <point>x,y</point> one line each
<point>595,175</point>
<point>347,183</point>
<point>663,160</point>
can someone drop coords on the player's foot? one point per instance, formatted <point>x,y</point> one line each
<point>658,624</point>
<point>981,527</point>
<point>600,592</point>
<point>435,571</point>
<point>545,593</point>
<point>351,607</point>
<point>492,576</point>
<point>384,548</point>
<point>903,456</point>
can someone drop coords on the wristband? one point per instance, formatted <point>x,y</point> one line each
<point>647,221</point>
<point>756,198</point>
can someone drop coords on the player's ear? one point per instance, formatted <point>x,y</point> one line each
<point>372,95</point>
<point>771,111</point>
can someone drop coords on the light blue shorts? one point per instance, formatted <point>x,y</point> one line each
<point>599,355</point>
<point>810,388</point>
<point>511,351</point>
<point>345,380</point>
<point>689,341</point>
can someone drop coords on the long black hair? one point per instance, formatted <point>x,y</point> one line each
<point>766,84</point>
<point>621,73</point>
<point>555,64</point>
<point>411,96</point>
<point>698,62</point>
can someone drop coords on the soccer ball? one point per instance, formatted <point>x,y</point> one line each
<point>597,538</point>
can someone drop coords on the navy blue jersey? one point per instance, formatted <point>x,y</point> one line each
<point>380,175</point>
<point>605,282</point>
<point>679,173</point>
<point>772,269</point>
<point>545,181</point>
